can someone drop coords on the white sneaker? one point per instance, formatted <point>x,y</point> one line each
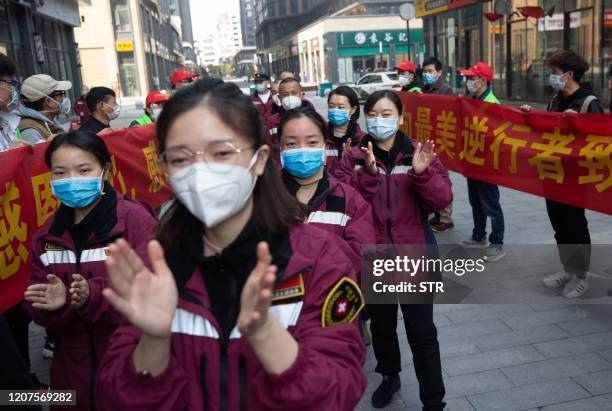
<point>575,288</point>
<point>494,253</point>
<point>556,280</point>
<point>471,243</point>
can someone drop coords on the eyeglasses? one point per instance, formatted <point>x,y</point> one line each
<point>221,152</point>
<point>57,94</point>
<point>13,83</point>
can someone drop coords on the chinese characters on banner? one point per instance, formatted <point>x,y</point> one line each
<point>567,158</point>
<point>26,201</point>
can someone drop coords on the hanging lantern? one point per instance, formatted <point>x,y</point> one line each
<point>532,11</point>
<point>493,16</point>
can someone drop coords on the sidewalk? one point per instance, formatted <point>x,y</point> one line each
<point>502,357</point>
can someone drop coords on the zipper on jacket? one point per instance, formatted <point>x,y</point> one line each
<point>203,384</point>
<point>92,348</point>
<point>243,383</point>
<point>224,397</point>
<point>388,178</point>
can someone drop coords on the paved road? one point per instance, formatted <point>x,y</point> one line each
<point>503,357</point>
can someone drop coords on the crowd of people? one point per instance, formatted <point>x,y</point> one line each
<point>245,289</point>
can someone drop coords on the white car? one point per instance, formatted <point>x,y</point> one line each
<point>371,82</point>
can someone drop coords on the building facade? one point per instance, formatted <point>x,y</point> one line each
<point>332,40</point>
<point>517,46</point>
<point>247,23</point>
<point>39,37</point>
<point>133,46</point>
<point>229,36</point>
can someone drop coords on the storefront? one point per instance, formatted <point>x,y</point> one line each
<point>41,39</point>
<point>518,43</point>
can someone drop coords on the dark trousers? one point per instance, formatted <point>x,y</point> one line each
<point>423,339</point>
<point>484,199</point>
<point>572,235</point>
<point>18,323</point>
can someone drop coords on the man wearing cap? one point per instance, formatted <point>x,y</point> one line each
<point>484,197</point>
<point>478,82</point>
<point>432,76</point>
<point>45,98</point>
<point>408,79</point>
<point>181,78</point>
<point>154,103</point>
<point>263,97</point>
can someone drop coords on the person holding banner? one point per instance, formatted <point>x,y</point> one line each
<point>343,127</point>
<point>64,292</point>
<point>569,222</point>
<point>245,304</point>
<point>484,197</point>
<point>403,181</point>
<point>102,103</point>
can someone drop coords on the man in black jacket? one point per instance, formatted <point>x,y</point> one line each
<point>569,222</point>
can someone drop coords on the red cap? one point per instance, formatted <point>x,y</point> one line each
<point>156,97</point>
<point>180,75</point>
<point>480,69</point>
<point>407,65</point>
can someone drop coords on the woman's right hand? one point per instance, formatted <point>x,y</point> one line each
<point>48,297</point>
<point>370,159</point>
<point>147,299</point>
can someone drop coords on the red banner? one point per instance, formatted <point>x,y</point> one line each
<point>563,157</point>
<point>26,200</point>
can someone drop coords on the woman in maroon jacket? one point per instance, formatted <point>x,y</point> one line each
<point>403,181</point>
<point>67,259</point>
<point>342,129</point>
<point>329,204</point>
<point>247,306</point>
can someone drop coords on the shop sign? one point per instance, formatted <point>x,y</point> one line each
<point>608,19</point>
<point>555,23</point>
<point>124,45</point>
<point>427,7</point>
<point>372,38</point>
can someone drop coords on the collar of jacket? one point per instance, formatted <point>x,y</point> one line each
<point>321,193</point>
<point>103,219</point>
<point>240,255</point>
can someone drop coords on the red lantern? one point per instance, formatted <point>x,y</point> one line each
<point>532,11</point>
<point>493,16</point>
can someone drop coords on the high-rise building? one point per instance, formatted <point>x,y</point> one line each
<point>247,22</point>
<point>133,46</point>
<point>229,36</point>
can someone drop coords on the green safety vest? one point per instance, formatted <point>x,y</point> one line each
<point>490,98</point>
<point>415,90</point>
<point>144,120</point>
<point>18,134</point>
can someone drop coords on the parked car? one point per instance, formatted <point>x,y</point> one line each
<point>371,82</point>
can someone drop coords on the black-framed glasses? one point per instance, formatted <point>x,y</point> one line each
<point>217,153</point>
<point>12,82</point>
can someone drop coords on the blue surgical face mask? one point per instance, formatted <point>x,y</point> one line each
<point>303,163</point>
<point>77,192</point>
<point>338,116</point>
<point>556,83</point>
<point>260,87</point>
<point>12,105</point>
<point>382,128</point>
<point>429,78</point>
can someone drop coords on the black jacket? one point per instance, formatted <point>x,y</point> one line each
<point>439,87</point>
<point>574,101</point>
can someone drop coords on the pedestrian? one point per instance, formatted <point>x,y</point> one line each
<point>263,97</point>
<point>328,203</point>
<point>245,333</point>
<point>569,222</point>
<point>291,96</point>
<point>44,100</point>
<point>442,221</point>
<point>102,103</point>
<point>181,78</point>
<point>343,127</point>
<point>9,101</point>
<point>154,103</point>
<point>402,180</point>
<point>484,197</point>
<point>284,74</point>
<point>67,266</point>
<point>432,76</point>
<point>408,79</point>
<point>80,106</point>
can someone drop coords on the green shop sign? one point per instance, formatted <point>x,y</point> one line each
<point>372,38</point>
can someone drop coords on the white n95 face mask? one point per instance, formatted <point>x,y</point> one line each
<point>214,192</point>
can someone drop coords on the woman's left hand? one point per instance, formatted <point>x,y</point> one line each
<point>255,300</point>
<point>423,156</point>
